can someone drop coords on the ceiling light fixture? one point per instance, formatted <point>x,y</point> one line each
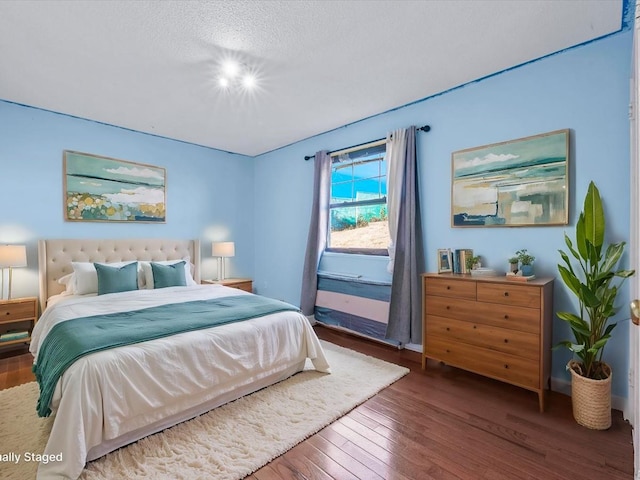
<point>234,74</point>
<point>248,80</point>
<point>230,68</point>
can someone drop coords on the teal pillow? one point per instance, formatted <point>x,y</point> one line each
<point>168,275</point>
<point>117,279</point>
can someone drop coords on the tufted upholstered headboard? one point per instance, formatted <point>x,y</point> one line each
<point>55,256</point>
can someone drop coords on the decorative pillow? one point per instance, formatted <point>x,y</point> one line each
<point>68,282</point>
<point>116,279</point>
<point>85,278</point>
<point>169,275</point>
<point>148,273</point>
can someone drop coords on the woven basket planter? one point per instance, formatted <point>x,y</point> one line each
<point>591,399</point>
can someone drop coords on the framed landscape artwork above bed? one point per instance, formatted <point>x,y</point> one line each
<point>521,182</point>
<point>102,189</point>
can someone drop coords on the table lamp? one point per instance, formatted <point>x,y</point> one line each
<point>11,256</point>
<point>223,250</point>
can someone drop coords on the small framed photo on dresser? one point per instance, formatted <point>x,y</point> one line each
<point>444,260</point>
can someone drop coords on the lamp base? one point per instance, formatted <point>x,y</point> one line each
<point>10,278</point>
<point>221,273</point>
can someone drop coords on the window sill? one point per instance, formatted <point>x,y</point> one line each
<point>373,252</point>
<point>338,254</point>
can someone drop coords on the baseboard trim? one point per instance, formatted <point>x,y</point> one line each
<point>414,347</point>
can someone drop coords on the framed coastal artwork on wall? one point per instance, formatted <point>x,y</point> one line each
<point>517,183</point>
<point>102,189</point>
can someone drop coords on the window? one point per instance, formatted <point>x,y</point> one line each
<point>358,205</point>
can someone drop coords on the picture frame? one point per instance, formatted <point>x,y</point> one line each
<point>444,260</point>
<point>103,189</point>
<point>517,183</point>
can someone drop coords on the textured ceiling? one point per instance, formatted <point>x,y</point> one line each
<point>152,66</point>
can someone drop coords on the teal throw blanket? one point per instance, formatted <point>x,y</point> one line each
<point>67,341</point>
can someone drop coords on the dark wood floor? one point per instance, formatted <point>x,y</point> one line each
<point>442,423</point>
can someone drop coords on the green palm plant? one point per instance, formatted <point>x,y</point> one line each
<point>595,283</point>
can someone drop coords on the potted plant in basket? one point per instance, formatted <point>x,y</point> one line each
<point>526,262</point>
<point>595,283</point>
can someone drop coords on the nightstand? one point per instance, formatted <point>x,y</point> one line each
<point>17,315</point>
<point>245,284</point>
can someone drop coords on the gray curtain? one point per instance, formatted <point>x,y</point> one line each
<point>405,307</point>
<point>317,239</point>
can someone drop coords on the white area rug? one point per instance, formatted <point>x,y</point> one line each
<point>227,443</point>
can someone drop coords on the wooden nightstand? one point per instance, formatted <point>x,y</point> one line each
<point>245,284</point>
<point>19,314</point>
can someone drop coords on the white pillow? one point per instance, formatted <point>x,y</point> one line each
<point>85,277</point>
<point>68,282</point>
<point>148,272</point>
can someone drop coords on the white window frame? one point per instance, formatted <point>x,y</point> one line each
<point>377,201</point>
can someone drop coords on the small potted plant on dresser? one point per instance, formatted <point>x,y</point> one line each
<point>513,264</point>
<point>595,284</point>
<point>473,263</point>
<point>526,262</point>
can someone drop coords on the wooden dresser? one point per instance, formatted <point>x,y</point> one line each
<point>492,326</point>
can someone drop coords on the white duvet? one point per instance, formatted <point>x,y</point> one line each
<point>111,398</point>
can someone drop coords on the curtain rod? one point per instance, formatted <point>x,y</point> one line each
<point>424,128</point>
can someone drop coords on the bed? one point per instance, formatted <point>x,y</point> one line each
<point>110,398</point>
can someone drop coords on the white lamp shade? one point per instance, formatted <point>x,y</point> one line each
<point>13,256</point>
<point>223,249</point>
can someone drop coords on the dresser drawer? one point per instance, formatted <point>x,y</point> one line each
<point>504,316</point>
<point>501,366</point>
<point>446,287</point>
<point>17,311</point>
<point>505,293</point>
<point>507,316</point>
<point>513,342</point>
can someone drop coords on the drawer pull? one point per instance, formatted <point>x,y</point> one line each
<point>448,351</point>
<point>448,287</point>
<point>506,366</point>
<point>6,313</point>
<point>474,327</point>
<point>506,317</point>
<point>506,340</point>
<point>506,294</point>
<point>448,329</point>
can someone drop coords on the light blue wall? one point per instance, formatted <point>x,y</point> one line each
<point>209,192</point>
<point>212,195</point>
<point>585,89</point>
